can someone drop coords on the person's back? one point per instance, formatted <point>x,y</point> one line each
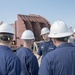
<point>29,64</point>
<point>61,61</point>
<point>9,63</point>
<point>28,60</point>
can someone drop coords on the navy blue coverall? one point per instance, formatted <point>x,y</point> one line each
<point>45,47</point>
<point>29,64</point>
<point>9,63</point>
<point>61,61</point>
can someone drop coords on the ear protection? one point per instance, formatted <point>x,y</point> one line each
<point>6,38</point>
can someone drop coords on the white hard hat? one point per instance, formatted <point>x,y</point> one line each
<point>27,34</point>
<point>44,30</point>
<point>59,29</point>
<point>6,28</point>
<point>74,30</point>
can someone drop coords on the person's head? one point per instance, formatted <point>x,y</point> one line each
<point>6,34</point>
<point>44,33</point>
<point>59,33</point>
<point>28,37</point>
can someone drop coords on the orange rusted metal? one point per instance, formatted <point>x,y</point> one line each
<point>31,22</point>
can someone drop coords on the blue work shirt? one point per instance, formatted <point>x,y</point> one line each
<point>9,63</point>
<point>61,61</point>
<point>29,64</point>
<point>45,47</point>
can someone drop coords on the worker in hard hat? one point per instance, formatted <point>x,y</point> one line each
<point>74,37</point>
<point>47,45</point>
<point>9,63</point>
<point>61,61</point>
<point>29,64</point>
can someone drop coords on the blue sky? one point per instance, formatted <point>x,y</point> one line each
<point>52,10</point>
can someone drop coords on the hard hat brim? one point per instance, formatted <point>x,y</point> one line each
<point>28,38</point>
<point>7,32</point>
<point>44,33</point>
<point>60,35</point>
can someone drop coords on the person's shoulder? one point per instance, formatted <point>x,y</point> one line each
<point>42,43</point>
<point>51,55</point>
<point>14,59</point>
<point>22,52</point>
<point>11,57</point>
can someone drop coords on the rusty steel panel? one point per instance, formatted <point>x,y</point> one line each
<point>20,28</point>
<point>36,30</point>
<point>28,25</point>
<point>31,22</point>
